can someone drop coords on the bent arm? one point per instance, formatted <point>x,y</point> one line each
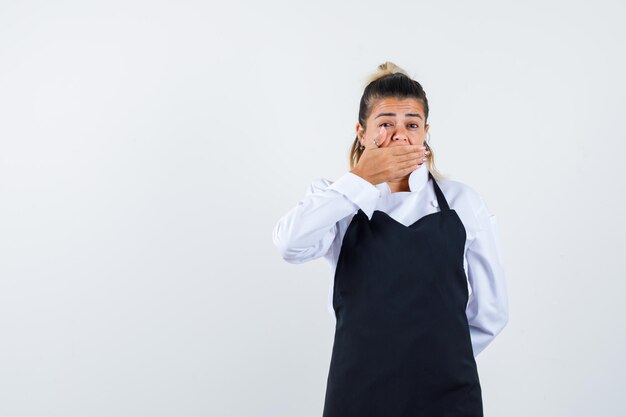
<point>307,231</point>
<point>488,307</point>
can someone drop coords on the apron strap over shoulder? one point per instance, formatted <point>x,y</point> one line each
<point>441,199</point>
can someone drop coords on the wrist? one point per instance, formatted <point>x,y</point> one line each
<point>358,172</point>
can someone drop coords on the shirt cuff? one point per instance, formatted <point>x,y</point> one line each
<point>358,190</point>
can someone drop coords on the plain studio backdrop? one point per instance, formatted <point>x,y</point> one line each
<point>149,148</point>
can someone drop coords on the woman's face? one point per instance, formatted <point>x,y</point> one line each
<point>403,120</point>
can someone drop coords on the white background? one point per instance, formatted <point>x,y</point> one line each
<point>148,148</point>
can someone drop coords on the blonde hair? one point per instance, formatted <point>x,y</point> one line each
<point>389,80</point>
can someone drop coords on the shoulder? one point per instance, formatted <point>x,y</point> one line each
<point>457,192</point>
<point>467,202</point>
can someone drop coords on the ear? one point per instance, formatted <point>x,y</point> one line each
<point>359,130</point>
<point>426,128</point>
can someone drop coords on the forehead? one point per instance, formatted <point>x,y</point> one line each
<point>398,106</point>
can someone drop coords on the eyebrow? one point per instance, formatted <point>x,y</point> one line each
<point>393,114</point>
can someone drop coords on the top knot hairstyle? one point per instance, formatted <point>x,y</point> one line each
<point>390,81</point>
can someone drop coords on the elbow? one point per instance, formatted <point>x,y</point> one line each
<point>282,244</point>
<point>298,245</point>
<point>287,249</point>
<point>501,320</point>
<point>492,321</point>
<point>295,255</point>
<point>288,253</point>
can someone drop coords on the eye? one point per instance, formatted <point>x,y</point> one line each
<point>414,125</point>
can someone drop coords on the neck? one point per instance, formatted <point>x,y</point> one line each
<point>401,185</point>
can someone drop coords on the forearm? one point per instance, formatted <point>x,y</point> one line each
<point>307,230</point>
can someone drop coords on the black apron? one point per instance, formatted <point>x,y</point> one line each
<point>402,345</point>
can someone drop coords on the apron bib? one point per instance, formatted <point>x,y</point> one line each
<point>402,345</point>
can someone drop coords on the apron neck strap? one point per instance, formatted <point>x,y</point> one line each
<point>441,199</point>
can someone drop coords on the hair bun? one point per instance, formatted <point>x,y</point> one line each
<point>385,69</point>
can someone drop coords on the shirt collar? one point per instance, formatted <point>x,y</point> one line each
<point>417,180</point>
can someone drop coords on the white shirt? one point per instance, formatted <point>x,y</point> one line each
<point>315,228</point>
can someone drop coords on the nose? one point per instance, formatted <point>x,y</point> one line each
<point>400,136</point>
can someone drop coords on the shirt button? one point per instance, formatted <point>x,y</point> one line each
<point>434,203</point>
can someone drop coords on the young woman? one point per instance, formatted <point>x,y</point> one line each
<point>418,288</point>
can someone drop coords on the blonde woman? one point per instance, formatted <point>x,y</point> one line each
<point>418,288</point>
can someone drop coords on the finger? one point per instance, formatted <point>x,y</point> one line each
<point>407,149</point>
<point>405,171</point>
<point>411,164</point>
<point>411,156</point>
<point>380,137</point>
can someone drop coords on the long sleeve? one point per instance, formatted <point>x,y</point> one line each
<point>488,307</point>
<point>307,231</point>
